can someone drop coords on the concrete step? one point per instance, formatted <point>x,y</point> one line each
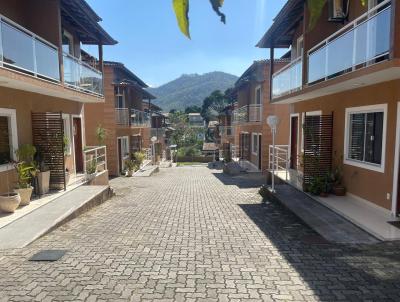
<point>39,222</point>
<point>147,171</point>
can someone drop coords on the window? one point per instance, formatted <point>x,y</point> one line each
<point>366,131</point>
<point>67,133</point>
<point>338,10</point>
<point>258,96</point>
<point>254,147</point>
<point>125,147</point>
<point>8,137</point>
<point>119,97</point>
<point>68,43</point>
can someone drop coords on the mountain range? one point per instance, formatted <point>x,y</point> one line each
<point>191,89</point>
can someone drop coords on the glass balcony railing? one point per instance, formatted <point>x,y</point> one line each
<point>140,118</point>
<point>288,79</point>
<point>122,116</point>
<point>248,113</point>
<point>81,76</point>
<point>364,41</point>
<point>24,51</point>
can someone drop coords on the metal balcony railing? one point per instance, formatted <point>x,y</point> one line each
<point>288,79</point>
<point>158,132</point>
<point>95,159</point>
<point>360,43</point>
<point>22,50</point>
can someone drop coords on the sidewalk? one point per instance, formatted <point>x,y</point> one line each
<point>324,221</point>
<point>40,221</point>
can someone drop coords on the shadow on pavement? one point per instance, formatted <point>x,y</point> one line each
<point>246,180</point>
<point>332,271</point>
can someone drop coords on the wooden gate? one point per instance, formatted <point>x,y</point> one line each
<point>48,138</point>
<point>318,131</point>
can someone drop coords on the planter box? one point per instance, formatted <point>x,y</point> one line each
<point>44,182</point>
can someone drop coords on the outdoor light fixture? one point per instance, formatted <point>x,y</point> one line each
<point>273,122</point>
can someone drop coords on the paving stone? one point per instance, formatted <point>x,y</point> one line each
<point>194,234</point>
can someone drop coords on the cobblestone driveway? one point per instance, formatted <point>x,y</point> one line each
<point>191,234</point>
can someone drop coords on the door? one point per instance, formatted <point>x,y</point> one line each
<point>123,152</point>
<point>78,144</point>
<point>293,141</point>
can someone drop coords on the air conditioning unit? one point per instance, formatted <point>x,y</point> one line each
<point>338,10</point>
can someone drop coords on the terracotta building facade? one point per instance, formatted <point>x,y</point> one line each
<point>345,69</point>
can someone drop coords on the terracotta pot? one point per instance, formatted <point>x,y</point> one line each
<point>339,190</point>
<point>9,202</point>
<point>25,195</point>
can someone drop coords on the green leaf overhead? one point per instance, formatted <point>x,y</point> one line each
<point>315,8</point>
<point>216,5</point>
<point>181,8</point>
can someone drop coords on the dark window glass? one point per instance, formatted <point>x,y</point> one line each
<point>5,150</point>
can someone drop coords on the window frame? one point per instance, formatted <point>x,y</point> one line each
<point>364,110</point>
<point>11,114</point>
<point>255,135</point>
<point>258,88</point>
<point>67,131</point>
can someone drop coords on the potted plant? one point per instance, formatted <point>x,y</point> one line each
<point>316,186</point>
<point>42,175</point>
<point>25,168</point>
<point>130,166</point>
<point>9,202</point>
<point>24,188</point>
<point>338,188</point>
<point>91,170</point>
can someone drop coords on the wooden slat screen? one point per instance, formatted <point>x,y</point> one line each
<point>318,132</point>
<point>48,133</point>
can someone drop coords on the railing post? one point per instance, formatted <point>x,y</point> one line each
<point>105,157</point>
<point>34,56</point>
<point>96,157</point>
<point>1,43</point>
<point>84,162</point>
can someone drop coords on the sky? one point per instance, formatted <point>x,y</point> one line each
<point>151,45</point>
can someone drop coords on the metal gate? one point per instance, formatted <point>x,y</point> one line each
<point>48,138</point>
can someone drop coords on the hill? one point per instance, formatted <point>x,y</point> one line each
<point>191,89</point>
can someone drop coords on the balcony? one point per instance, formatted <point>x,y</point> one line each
<point>23,51</point>
<point>288,79</point>
<point>361,43</point>
<point>81,76</point>
<point>122,116</point>
<point>158,132</point>
<point>139,118</point>
<point>226,131</point>
<point>247,114</point>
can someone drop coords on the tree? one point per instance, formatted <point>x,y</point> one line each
<point>215,103</point>
<point>193,109</point>
<point>181,8</point>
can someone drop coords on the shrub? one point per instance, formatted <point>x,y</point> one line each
<point>263,191</point>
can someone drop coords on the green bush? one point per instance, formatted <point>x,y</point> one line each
<point>264,191</point>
